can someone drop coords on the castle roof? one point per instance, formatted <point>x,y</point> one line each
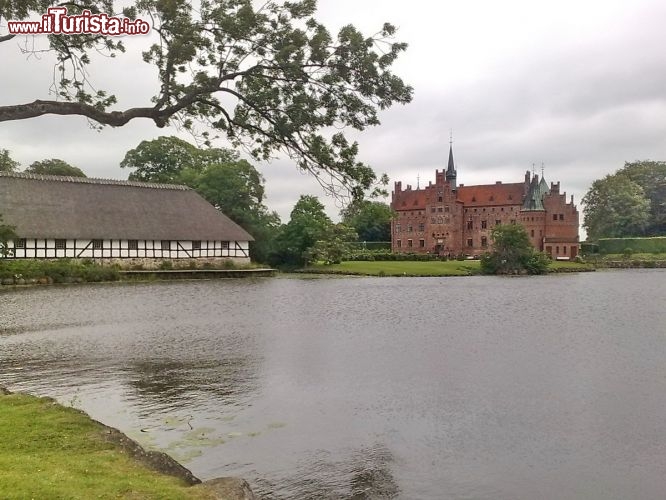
<point>49,206</point>
<point>491,194</point>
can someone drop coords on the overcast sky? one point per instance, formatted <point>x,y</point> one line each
<point>579,86</point>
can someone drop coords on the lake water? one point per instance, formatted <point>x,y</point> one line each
<point>417,388</point>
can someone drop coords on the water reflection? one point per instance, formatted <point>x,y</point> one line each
<point>363,474</point>
<point>173,383</point>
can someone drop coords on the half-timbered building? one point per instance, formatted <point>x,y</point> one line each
<point>120,221</point>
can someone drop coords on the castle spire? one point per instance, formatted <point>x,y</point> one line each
<point>451,172</point>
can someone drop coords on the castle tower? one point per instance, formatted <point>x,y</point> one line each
<point>451,172</point>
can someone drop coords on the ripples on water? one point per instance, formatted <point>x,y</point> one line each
<point>488,388</point>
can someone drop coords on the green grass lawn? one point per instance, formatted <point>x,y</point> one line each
<point>401,268</point>
<point>48,451</point>
<point>421,268</point>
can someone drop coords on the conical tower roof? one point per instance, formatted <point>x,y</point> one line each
<point>534,199</point>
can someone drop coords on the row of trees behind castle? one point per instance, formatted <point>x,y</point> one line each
<point>630,202</point>
<point>236,188</point>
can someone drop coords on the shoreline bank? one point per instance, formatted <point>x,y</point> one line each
<point>79,443</point>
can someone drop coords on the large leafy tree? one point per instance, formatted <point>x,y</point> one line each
<point>267,75</point>
<point>615,206</point>
<point>651,177</point>
<point>333,246</point>
<point>7,164</point>
<point>370,219</point>
<point>162,160</point>
<point>308,223</point>
<point>55,166</point>
<point>512,252</point>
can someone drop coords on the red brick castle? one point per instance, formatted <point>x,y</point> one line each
<point>449,219</point>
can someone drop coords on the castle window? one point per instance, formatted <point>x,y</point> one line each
<point>561,216</point>
<point>440,199</point>
<point>492,209</point>
<point>484,210</point>
<point>470,225</point>
<point>60,244</point>
<point>484,224</point>
<point>466,210</point>
<point>399,243</point>
<point>439,209</point>
<point>432,210</point>
<point>475,210</point>
<point>484,241</point>
<point>554,216</point>
<point>409,228</point>
<point>421,243</point>
<point>446,209</point>
<point>497,222</point>
<point>421,227</point>
<point>564,249</point>
<point>433,220</point>
<point>532,233</point>
<point>470,243</point>
<point>502,209</point>
<point>557,250</point>
<point>397,228</point>
<point>440,220</point>
<point>409,243</point>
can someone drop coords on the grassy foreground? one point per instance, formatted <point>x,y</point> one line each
<point>49,451</point>
<point>422,268</point>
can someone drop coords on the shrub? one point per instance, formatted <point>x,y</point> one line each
<point>166,265</point>
<point>228,264</point>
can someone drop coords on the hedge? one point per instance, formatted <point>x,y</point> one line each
<point>632,245</point>
<point>388,256</point>
<point>370,245</point>
<point>59,271</point>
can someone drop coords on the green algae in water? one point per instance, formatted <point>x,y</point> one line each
<point>277,425</point>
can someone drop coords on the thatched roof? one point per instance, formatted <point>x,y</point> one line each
<point>48,206</point>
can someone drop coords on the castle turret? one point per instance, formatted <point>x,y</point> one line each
<point>451,173</point>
